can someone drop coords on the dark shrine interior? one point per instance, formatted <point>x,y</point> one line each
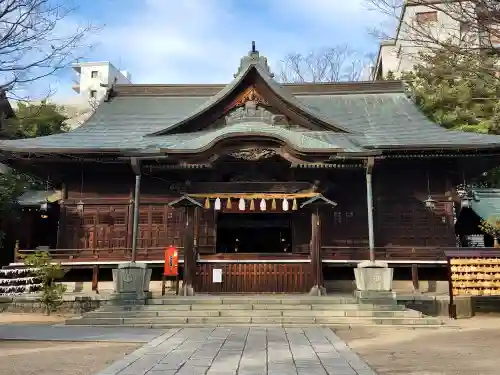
<point>269,233</point>
<point>43,227</point>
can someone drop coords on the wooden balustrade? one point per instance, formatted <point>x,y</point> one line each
<point>329,253</point>
<point>389,253</point>
<point>98,255</point>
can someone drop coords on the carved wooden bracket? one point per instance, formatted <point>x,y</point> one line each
<point>250,94</point>
<point>253,154</point>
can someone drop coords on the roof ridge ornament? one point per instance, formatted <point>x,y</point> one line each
<point>254,58</point>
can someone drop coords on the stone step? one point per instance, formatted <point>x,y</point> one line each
<point>230,321</point>
<point>262,325</point>
<point>210,300</point>
<point>254,313</point>
<point>221,307</point>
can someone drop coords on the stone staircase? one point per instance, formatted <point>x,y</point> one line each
<point>264,311</point>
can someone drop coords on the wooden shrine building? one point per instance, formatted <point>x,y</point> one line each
<point>273,183</point>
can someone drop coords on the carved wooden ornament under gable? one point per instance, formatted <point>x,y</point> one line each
<point>249,95</point>
<point>250,112</point>
<point>253,154</point>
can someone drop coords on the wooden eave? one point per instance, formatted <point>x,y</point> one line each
<point>251,137</point>
<point>467,149</point>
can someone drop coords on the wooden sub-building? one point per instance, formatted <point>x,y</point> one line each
<point>286,181</point>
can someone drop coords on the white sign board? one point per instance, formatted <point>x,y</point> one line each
<point>217,275</point>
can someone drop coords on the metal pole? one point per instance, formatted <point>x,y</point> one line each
<point>369,203</point>
<point>135,226</point>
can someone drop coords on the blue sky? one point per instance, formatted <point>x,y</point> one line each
<point>201,41</point>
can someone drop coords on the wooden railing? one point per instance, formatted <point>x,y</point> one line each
<point>96,255</point>
<point>392,253</point>
<point>329,253</point>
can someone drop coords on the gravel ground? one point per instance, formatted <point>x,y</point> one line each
<point>470,348</point>
<point>24,318</point>
<point>59,358</point>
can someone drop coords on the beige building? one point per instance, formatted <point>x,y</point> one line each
<point>429,25</point>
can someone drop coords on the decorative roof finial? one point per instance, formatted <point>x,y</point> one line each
<point>254,58</point>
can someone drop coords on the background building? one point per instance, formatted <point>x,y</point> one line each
<point>93,79</point>
<point>434,25</point>
<point>91,83</point>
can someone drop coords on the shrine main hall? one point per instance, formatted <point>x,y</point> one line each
<point>281,186</point>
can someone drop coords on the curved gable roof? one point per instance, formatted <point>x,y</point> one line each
<point>256,64</point>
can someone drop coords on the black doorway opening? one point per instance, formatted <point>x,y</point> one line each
<point>44,227</point>
<point>254,233</point>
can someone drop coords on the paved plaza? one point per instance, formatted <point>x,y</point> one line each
<point>36,332</point>
<point>242,351</point>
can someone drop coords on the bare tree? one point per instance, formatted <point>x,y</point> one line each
<point>466,28</point>
<point>37,39</point>
<point>334,64</point>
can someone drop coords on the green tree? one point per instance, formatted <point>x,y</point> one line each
<point>452,93</point>
<point>12,185</point>
<point>35,120</point>
<point>32,120</point>
<point>48,272</point>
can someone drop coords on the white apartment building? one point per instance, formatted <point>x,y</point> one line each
<point>94,78</point>
<point>92,81</point>
<point>419,26</point>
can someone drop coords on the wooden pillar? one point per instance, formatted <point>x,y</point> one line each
<point>95,278</point>
<point>316,264</point>
<point>414,278</point>
<point>61,225</point>
<point>130,220</point>
<point>189,253</point>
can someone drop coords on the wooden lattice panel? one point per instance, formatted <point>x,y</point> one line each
<point>405,221</point>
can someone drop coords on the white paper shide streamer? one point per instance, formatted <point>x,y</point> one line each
<point>217,204</point>
<point>262,204</point>
<point>18,281</point>
<point>285,205</point>
<point>241,204</point>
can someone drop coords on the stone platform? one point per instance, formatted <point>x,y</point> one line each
<point>243,351</point>
<point>253,310</point>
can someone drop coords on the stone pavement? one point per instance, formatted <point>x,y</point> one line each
<point>243,351</point>
<point>37,332</point>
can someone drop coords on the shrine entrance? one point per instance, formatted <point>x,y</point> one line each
<point>263,233</point>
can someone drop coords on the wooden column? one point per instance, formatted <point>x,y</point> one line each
<point>316,264</point>
<point>314,204</point>
<point>95,278</point>
<point>414,278</point>
<point>189,253</point>
<point>130,220</point>
<point>61,225</point>
<point>190,205</point>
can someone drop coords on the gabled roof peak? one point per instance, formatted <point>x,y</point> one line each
<point>254,58</point>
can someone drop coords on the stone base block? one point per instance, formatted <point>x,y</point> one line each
<point>377,279</point>
<point>464,307</point>
<point>187,290</point>
<point>131,279</point>
<point>376,297</point>
<point>317,290</point>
